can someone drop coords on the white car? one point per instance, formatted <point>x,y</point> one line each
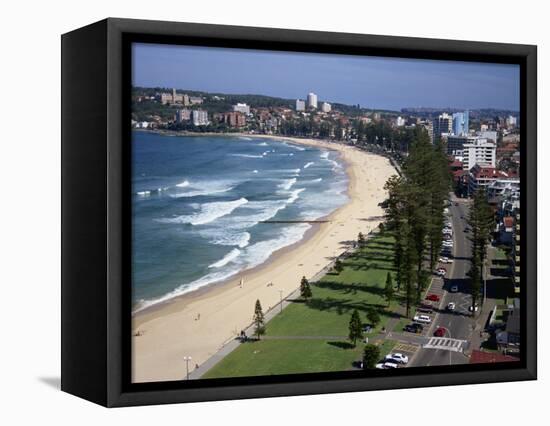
<point>386,365</point>
<point>424,319</point>
<point>397,358</point>
<point>445,259</point>
<point>451,306</point>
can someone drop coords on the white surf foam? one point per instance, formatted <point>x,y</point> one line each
<point>209,212</point>
<point>183,184</point>
<point>287,184</point>
<point>247,155</point>
<point>311,163</point>
<point>229,257</point>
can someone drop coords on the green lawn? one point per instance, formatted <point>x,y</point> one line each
<point>268,357</point>
<point>359,286</point>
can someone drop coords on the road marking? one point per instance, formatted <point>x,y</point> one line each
<point>445,343</point>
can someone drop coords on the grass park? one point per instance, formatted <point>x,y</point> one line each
<point>313,337</point>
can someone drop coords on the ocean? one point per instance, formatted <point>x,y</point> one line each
<point>198,203</point>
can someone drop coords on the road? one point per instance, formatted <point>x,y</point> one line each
<point>459,323</point>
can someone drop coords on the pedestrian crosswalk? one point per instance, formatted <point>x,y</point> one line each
<point>445,343</point>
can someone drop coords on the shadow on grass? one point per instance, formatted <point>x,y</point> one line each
<point>342,345</point>
<point>352,288</point>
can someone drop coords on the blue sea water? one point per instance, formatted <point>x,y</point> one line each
<point>198,204</point>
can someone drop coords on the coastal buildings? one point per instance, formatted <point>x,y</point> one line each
<point>461,123</point>
<point>483,176</point>
<point>172,98</point>
<point>442,125</point>
<point>232,119</point>
<point>200,117</point>
<point>312,100</point>
<point>326,107</point>
<point>480,151</point>
<point>195,100</point>
<point>183,115</point>
<point>400,121</point>
<point>300,105</point>
<point>455,144</point>
<point>243,108</point>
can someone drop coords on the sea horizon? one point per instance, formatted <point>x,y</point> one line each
<point>193,230</point>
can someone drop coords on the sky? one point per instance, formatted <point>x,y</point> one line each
<point>372,82</point>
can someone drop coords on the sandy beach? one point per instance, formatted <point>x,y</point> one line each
<point>199,323</point>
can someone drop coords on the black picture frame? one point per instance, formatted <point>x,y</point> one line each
<point>96,227</point>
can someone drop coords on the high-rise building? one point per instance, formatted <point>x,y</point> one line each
<point>300,105</point>
<point>200,117</point>
<point>400,122</point>
<point>244,108</point>
<point>442,124</point>
<point>481,152</point>
<point>326,107</point>
<point>461,123</point>
<point>511,121</point>
<point>311,100</point>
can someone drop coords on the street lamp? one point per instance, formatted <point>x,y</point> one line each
<point>187,359</point>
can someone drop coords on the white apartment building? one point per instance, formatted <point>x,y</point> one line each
<point>481,152</point>
<point>326,107</point>
<point>244,108</point>
<point>400,122</point>
<point>312,100</point>
<point>300,105</point>
<point>200,117</point>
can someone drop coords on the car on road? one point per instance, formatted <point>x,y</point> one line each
<point>451,306</point>
<point>474,308</point>
<point>424,319</point>
<point>454,289</point>
<point>447,243</point>
<point>440,332</point>
<point>432,297</point>
<point>414,328</point>
<point>425,308</point>
<point>386,365</point>
<point>441,272</point>
<point>445,259</point>
<point>397,358</point>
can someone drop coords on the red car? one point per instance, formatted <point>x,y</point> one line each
<point>440,332</point>
<point>432,297</point>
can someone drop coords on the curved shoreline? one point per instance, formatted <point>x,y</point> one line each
<point>198,323</point>
<point>188,295</point>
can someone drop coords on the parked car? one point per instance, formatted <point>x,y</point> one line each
<point>367,328</point>
<point>440,332</point>
<point>447,243</point>
<point>425,308</point>
<point>432,297</point>
<point>388,365</point>
<point>474,308</point>
<point>445,259</point>
<point>441,272</point>
<point>454,289</point>
<point>398,358</point>
<point>451,306</point>
<point>424,319</point>
<point>414,328</point>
